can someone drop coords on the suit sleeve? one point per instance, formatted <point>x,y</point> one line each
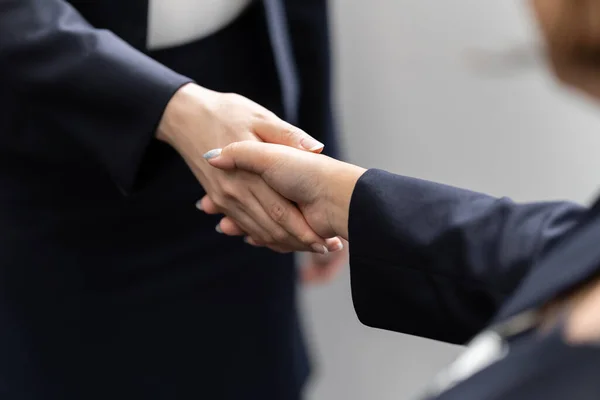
<point>437,261</point>
<point>107,95</point>
<point>308,22</point>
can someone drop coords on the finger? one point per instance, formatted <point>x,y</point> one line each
<point>208,206</point>
<point>253,242</point>
<point>274,210</point>
<point>255,157</point>
<point>277,131</point>
<point>244,219</point>
<point>334,244</point>
<point>310,274</point>
<point>317,275</point>
<point>323,268</point>
<point>230,228</point>
<point>289,226</point>
<point>256,243</point>
<point>329,261</point>
<point>251,218</point>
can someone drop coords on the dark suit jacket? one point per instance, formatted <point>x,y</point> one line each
<point>444,263</point>
<point>111,284</point>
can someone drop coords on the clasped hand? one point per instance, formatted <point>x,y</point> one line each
<point>197,120</point>
<point>321,186</point>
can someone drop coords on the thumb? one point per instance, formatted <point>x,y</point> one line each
<point>250,156</point>
<point>278,131</point>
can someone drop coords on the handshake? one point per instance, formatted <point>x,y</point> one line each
<point>265,175</point>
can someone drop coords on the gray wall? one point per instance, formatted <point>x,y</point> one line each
<point>409,102</point>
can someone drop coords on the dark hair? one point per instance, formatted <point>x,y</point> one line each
<point>569,38</point>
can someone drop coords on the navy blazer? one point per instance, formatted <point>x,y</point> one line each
<point>79,71</point>
<point>112,285</point>
<point>444,263</point>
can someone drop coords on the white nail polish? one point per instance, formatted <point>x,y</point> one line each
<point>212,154</point>
<point>338,247</point>
<point>317,147</point>
<point>199,205</point>
<point>218,228</point>
<point>311,144</point>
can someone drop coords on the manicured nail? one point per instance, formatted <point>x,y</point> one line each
<point>311,144</point>
<point>338,247</point>
<point>218,228</point>
<point>212,154</point>
<point>199,205</point>
<point>319,248</point>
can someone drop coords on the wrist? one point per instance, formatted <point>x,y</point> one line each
<point>342,181</point>
<point>189,101</point>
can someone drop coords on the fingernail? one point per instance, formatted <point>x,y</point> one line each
<point>311,144</point>
<point>319,248</point>
<point>212,154</point>
<point>218,228</point>
<point>199,205</point>
<point>338,247</point>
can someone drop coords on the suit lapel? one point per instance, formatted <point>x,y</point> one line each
<point>284,57</point>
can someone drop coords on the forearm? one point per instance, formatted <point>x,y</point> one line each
<point>104,93</point>
<point>438,261</point>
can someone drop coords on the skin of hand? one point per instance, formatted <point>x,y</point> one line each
<point>316,269</point>
<point>321,186</point>
<point>197,120</point>
<point>323,268</point>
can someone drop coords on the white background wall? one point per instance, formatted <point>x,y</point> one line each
<point>409,102</point>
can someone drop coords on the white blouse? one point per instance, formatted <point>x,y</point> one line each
<point>176,22</point>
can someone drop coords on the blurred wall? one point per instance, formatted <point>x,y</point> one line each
<point>410,102</point>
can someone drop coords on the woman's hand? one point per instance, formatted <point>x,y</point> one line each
<point>322,268</point>
<point>197,120</point>
<point>321,186</point>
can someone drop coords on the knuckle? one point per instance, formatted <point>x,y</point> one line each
<point>245,181</point>
<point>232,97</point>
<point>280,236</point>
<point>219,200</point>
<point>306,238</point>
<point>278,212</point>
<point>263,115</point>
<point>232,147</point>
<point>290,133</point>
<point>229,190</point>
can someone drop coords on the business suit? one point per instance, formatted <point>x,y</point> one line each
<point>445,263</point>
<point>112,284</point>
